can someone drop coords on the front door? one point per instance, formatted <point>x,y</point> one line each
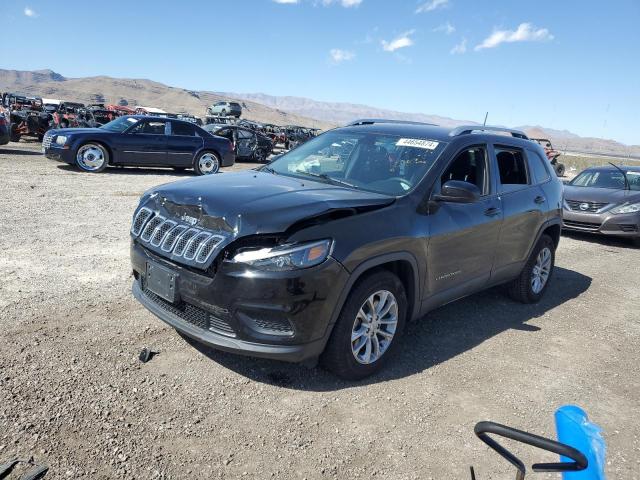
<point>145,144</point>
<point>182,144</point>
<point>463,236</point>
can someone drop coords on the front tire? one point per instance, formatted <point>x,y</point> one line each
<point>207,163</point>
<point>369,327</point>
<point>92,157</point>
<point>534,279</point>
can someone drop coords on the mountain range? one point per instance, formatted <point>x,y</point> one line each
<point>281,110</point>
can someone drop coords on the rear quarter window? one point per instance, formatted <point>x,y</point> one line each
<point>537,167</point>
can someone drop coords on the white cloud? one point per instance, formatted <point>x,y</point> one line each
<point>446,28</point>
<point>524,33</point>
<point>30,12</point>
<point>401,41</point>
<point>344,3</point>
<point>286,1</point>
<point>460,48</point>
<point>339,56</point>
<point>432,5</point>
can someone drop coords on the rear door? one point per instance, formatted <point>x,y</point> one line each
<point>524,205</point>
<point>145,143</point>
<point>182,144</point>
<point>463,237</point>
<point>246,143</point>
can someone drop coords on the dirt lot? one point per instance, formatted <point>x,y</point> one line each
<point>74,395</point>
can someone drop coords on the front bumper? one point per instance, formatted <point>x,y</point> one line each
<point>279,315</point>
<point>64,155</point>
<point>606,223</point>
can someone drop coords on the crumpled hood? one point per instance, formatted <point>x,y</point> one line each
<point>600,195</point>
<point>233,205</point>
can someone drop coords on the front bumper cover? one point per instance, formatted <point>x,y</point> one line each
<point>605,223</point>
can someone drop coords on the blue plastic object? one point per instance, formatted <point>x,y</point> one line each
<point>575,429</point>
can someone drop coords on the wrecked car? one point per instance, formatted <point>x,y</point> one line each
<point>552,155</point>
<point>325,256</point>
<point>248,144</point>
<point>66,116</point>
<point>26,116</point>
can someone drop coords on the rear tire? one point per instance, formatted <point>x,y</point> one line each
<point>539,267</point>
<point>342,355</point>
<point>560,169</point>
<point>207,163</point>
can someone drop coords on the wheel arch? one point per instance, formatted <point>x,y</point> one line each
<point>99,142</point>
<point>402,264</point>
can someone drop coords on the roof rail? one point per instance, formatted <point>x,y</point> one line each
<point>371,121</point>
<point>467,129</point>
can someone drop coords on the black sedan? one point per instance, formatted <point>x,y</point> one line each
<point>248,144</point>
<point>141,141</point>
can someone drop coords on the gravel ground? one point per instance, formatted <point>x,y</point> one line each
<point>74,395</point>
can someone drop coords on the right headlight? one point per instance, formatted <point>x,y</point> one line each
<point>626,208</point>
<point>286,257</point>
<point>61,139</point>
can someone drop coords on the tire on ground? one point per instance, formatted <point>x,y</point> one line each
<point>202,169</point>
<point>338,356</point>
<point>521,288</point>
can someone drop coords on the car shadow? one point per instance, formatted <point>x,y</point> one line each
<point>16,151</point>
<point>441,335</point>
<point>132,171</point>
<point>605,240</point>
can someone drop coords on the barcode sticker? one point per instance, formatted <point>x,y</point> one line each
<point>417,143</point>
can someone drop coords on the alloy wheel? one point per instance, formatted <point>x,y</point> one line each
<point>208,164</point>
<point>91,157</point>
<point>374,327</point>
<point>541,270</point>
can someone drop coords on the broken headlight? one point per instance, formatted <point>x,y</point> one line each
<point>286,257</point>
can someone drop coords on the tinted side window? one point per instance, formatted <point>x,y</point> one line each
<point>537,167</point>
<point>183,129</point>
<point>512,168</point>
<point>150,127</point>
<point>469,166</point>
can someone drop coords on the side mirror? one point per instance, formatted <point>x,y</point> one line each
<point>457,191</point>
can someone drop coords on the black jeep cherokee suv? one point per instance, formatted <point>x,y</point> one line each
<point>329,250</point>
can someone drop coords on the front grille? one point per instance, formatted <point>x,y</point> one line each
<point>628,227</point>
<point>178,240</point>
<point>590,207</point>
<point>588,226</point>
<point>46,141</point>
<point>194,315</point>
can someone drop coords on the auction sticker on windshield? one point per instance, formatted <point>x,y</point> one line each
<point>417,143</point>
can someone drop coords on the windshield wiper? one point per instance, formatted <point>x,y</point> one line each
<point>268,169</point>
<point>327,178</point>
<point>627,186</point>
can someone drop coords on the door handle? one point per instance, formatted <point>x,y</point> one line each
<point>492,212</point>
<point>539,199</point>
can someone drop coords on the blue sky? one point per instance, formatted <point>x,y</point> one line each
<point>561,64</point>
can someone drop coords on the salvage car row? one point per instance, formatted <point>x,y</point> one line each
<point>31,116</point>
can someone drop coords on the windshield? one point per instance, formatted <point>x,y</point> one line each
<point>119,124</point>
<point>612,179</point>
<point>376,162</point>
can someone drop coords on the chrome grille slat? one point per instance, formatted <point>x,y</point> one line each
<point>161,231</point>
<point>170,240</point>
<point>150,227</point>
<point>183,240</point>
<point>207,247</point>
<point>194,244</point>
<point>140,219</point>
